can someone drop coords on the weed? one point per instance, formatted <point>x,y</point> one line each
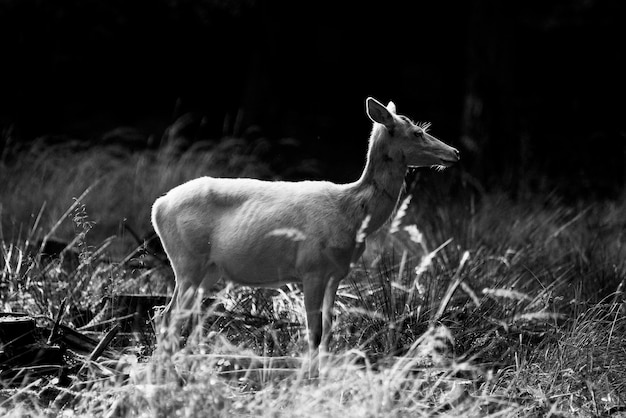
<point>474,306</point>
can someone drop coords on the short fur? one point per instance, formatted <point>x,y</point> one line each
<point>266,234</point>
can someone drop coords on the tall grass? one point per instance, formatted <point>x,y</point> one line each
<point>123,183</point>
<point>467,304</point>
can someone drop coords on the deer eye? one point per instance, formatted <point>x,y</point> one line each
<point>417,134</point>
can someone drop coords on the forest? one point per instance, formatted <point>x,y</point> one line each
<point>531,92</point>
<point>496,288</point>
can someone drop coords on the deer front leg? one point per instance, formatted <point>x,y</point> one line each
<point>327,316</point>
<point>313,289</point>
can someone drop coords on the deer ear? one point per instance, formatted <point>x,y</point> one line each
<point>379,113</point>
<point>391,106</point>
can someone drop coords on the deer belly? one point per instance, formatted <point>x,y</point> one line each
<point>270,263</point>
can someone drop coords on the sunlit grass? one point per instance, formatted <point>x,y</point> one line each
<point>476,305</point>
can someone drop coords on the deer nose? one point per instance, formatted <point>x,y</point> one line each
<point>457,153</point>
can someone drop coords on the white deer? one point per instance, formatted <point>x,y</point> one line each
<point>266,234</point>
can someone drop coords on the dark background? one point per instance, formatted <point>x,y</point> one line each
<point>531,92</point>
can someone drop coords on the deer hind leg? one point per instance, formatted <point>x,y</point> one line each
<point>188,274</point>
<point>189,270</point>
<point>182,316</point>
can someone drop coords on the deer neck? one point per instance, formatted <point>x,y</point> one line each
<point>376,193</point>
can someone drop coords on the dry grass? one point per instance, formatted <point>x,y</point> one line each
<point>475,305</point>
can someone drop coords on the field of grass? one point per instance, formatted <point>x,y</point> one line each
<point>466,304</point>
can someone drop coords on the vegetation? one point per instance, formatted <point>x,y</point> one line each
<point>466,304</point>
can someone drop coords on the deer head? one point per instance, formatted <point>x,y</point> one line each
<point>410,142</point>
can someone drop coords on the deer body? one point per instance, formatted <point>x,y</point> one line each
<point>258,233</point>
<point>266,234</point>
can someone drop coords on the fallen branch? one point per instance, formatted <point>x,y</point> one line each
<point>104,343</point>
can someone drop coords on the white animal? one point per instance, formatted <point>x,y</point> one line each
<point>266,234</point>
